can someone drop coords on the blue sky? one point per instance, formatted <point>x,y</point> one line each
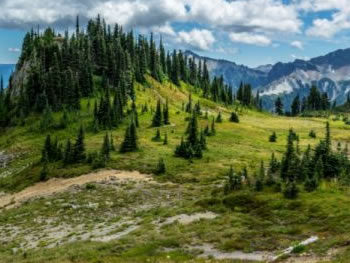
<point>250,32</point>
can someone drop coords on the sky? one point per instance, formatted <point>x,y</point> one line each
<point>249,32</point>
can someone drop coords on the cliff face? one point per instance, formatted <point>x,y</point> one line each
<point>19,78</point>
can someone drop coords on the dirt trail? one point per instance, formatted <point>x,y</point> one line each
<point>59,185</point>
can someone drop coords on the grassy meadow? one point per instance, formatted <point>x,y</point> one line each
<point>255,222</point>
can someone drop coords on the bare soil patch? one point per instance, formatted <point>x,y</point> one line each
<point>60,185</point>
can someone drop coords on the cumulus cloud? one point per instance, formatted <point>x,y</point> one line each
<point>250,20</point>
<point>248,38</point>
<point>297,44</point>
<point>324,27</point>
<point>164,30</point>
<point>198,39</point>
<point>138,13</point>
<point>243,15</point>
<point>327,28</point>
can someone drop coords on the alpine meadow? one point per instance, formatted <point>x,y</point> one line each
<point>126,137</point>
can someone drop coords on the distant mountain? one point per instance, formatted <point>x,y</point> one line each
<point>265,68</point>
<point>233,74</point>
<point>5,72</point>
<point>331,73</point>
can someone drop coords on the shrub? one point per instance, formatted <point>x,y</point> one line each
<point>245,200</point>
<point>273,137</point>
<point>298,249</point>
<point>312,134</point>
<point>160,167</point>
<point>291,191</point>
<point>234,117</point>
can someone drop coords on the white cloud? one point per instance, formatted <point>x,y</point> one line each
<point>241,15</point>
<point>14,50</point>
<point>323,27</point>
<point>327,28</point>
<point>165,29</point>
<point>138,13</point>
<point>297,44</point>
<point>199,39</point>
<point>252,39</point>
<point>252,15</point>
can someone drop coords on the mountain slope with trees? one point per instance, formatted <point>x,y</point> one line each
<point>103,99</point>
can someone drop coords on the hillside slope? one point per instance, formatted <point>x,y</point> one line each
<point>112,150</point>
<point>166,219</point>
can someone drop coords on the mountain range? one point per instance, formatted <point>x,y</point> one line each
<point>5,72</point>
<point>330,73</point>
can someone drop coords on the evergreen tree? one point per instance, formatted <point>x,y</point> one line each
<point>234,117</point>
<point>47,152</point>
<point>158,116</point>
<point>279,106</point>
<point>273,137</point>
<point>130,139</point>
<point>290,162</point>
<point>68,153</point>
<point>213,130</point>
<point>296,106</point>
<point>189,104</point>
<point>106,148</point>
<point>44,172</point>
<point>219,118</point>
<point>234,181</point>
<point>166,113</point>
<point>165,142</point>
<point>157,137</point>
<point>46,119</point>
<point>160,167</point>
<point>192,147</point>
<point>64,122</point>
<point>312,134</point>
<point>79,147</point>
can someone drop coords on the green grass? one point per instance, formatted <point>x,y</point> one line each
<point>248,221</point>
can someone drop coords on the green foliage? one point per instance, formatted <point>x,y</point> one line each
<point>244,200</point>
<point>79,147</point>
<point>157,137</point>
<point>160,167</point>
<point>219,118</point>
<point>106,148</point>
<point>312,134</point>
<point>234,181</point>
<point>244,94</point>
<point>291,190</point>
<point>44,173</point>
<point>195,143</point>
<point>130,139</point>
<point>279,106</point>
<point>64,121</point>
<point>234,117</point>
<point>46,119</point>
<point>273,137</point>
<point>158,116</point>
<point>165,142</point>
<point>298,249</point>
